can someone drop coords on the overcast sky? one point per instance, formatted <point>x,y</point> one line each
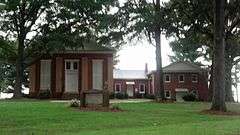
<point>134,55</point>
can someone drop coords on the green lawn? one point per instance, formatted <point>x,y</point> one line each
<point>45,118</point>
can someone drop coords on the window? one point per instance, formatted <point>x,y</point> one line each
<point>97,74</point>
<point>71,65</point>
<point>68,65</point>
<point>194,78</point>
<point>75,65</point>
<point>181,78</point>
<point>142,88</point>
<point>167,94</point>
<point>117,87</point>
<point>167,78</point>
<point>45,74</point>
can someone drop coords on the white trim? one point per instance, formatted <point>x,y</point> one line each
<point>130,83</point>
<point>196,78</point>
<point>179,78</point>
<point>181,90</point>
<point>165,78</point>
<point>142,92</point>
<point>165,93</point>
<point>120,87</point>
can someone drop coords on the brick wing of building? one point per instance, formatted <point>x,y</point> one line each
<point>181,78</point>
<point>131,82</point>
<point>66,74</point>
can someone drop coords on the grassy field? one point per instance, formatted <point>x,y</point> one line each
<point>45,118</point>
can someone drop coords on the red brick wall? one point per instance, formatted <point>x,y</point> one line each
<point>201,86</point>
<point>57,73</point>
<point>136,85</point>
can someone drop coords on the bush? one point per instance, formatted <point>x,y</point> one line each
<point>115,107</point>
<point>44,94</point>
<point>190,97</point>
<point>111,95</point>
<point>75,103</point>
<point>149,96</point>
<point>121,96</point>
<point>139,95</point>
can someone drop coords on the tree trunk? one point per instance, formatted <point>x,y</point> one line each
<point>228,80</point>
<point>159,72</point>
<point>19,70</point>
<point>218,102</point>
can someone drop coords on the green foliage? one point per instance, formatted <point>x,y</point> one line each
<point>149,96</point>
<point>44,94</point>
<point>189,97</point>
<point>139,19</point>
<point>139,95</point>
<point>121,95</point>
<point>185,50</point>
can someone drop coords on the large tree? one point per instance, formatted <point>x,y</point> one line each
<point>143,19</point>
<point>218,102</point>
<point>41,26</point>
<point>194,20</point>
<point>19,19</point>
<point>187,50</point>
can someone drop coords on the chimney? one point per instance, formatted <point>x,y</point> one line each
<point>146,68</point>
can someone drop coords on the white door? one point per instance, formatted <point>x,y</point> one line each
<point>71,76</point>
<point>130,90</point>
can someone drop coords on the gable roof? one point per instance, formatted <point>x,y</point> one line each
<point>90,46</point>
<point>129,74</point>
<point>182,66</point>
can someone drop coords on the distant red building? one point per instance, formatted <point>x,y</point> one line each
<point>180,78</point>
<point>132,82</point>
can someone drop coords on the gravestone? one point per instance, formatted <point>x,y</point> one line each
<point>94,98</point>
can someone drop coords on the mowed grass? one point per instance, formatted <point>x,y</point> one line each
<point>46,118</point>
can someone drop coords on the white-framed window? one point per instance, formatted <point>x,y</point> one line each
<point>45,74</point>
<point>194,78</point>
<point>167,78</point>
<point>167,94</point>
<point>71,64</point>
<point>181,78</point>
<point>141,88</point>
<point>97,74</point>
<point>117,87</point>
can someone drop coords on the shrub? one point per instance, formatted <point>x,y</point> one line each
<point>121,96</point>
<point>190,97</point>
<point>115,107</point>
<point>111,95</point>
<point>139,95</point>
<point>44,94</point>
<point>75,103</point>
<point>149,96</point>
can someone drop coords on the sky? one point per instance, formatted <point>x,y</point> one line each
<point>133,56</point>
